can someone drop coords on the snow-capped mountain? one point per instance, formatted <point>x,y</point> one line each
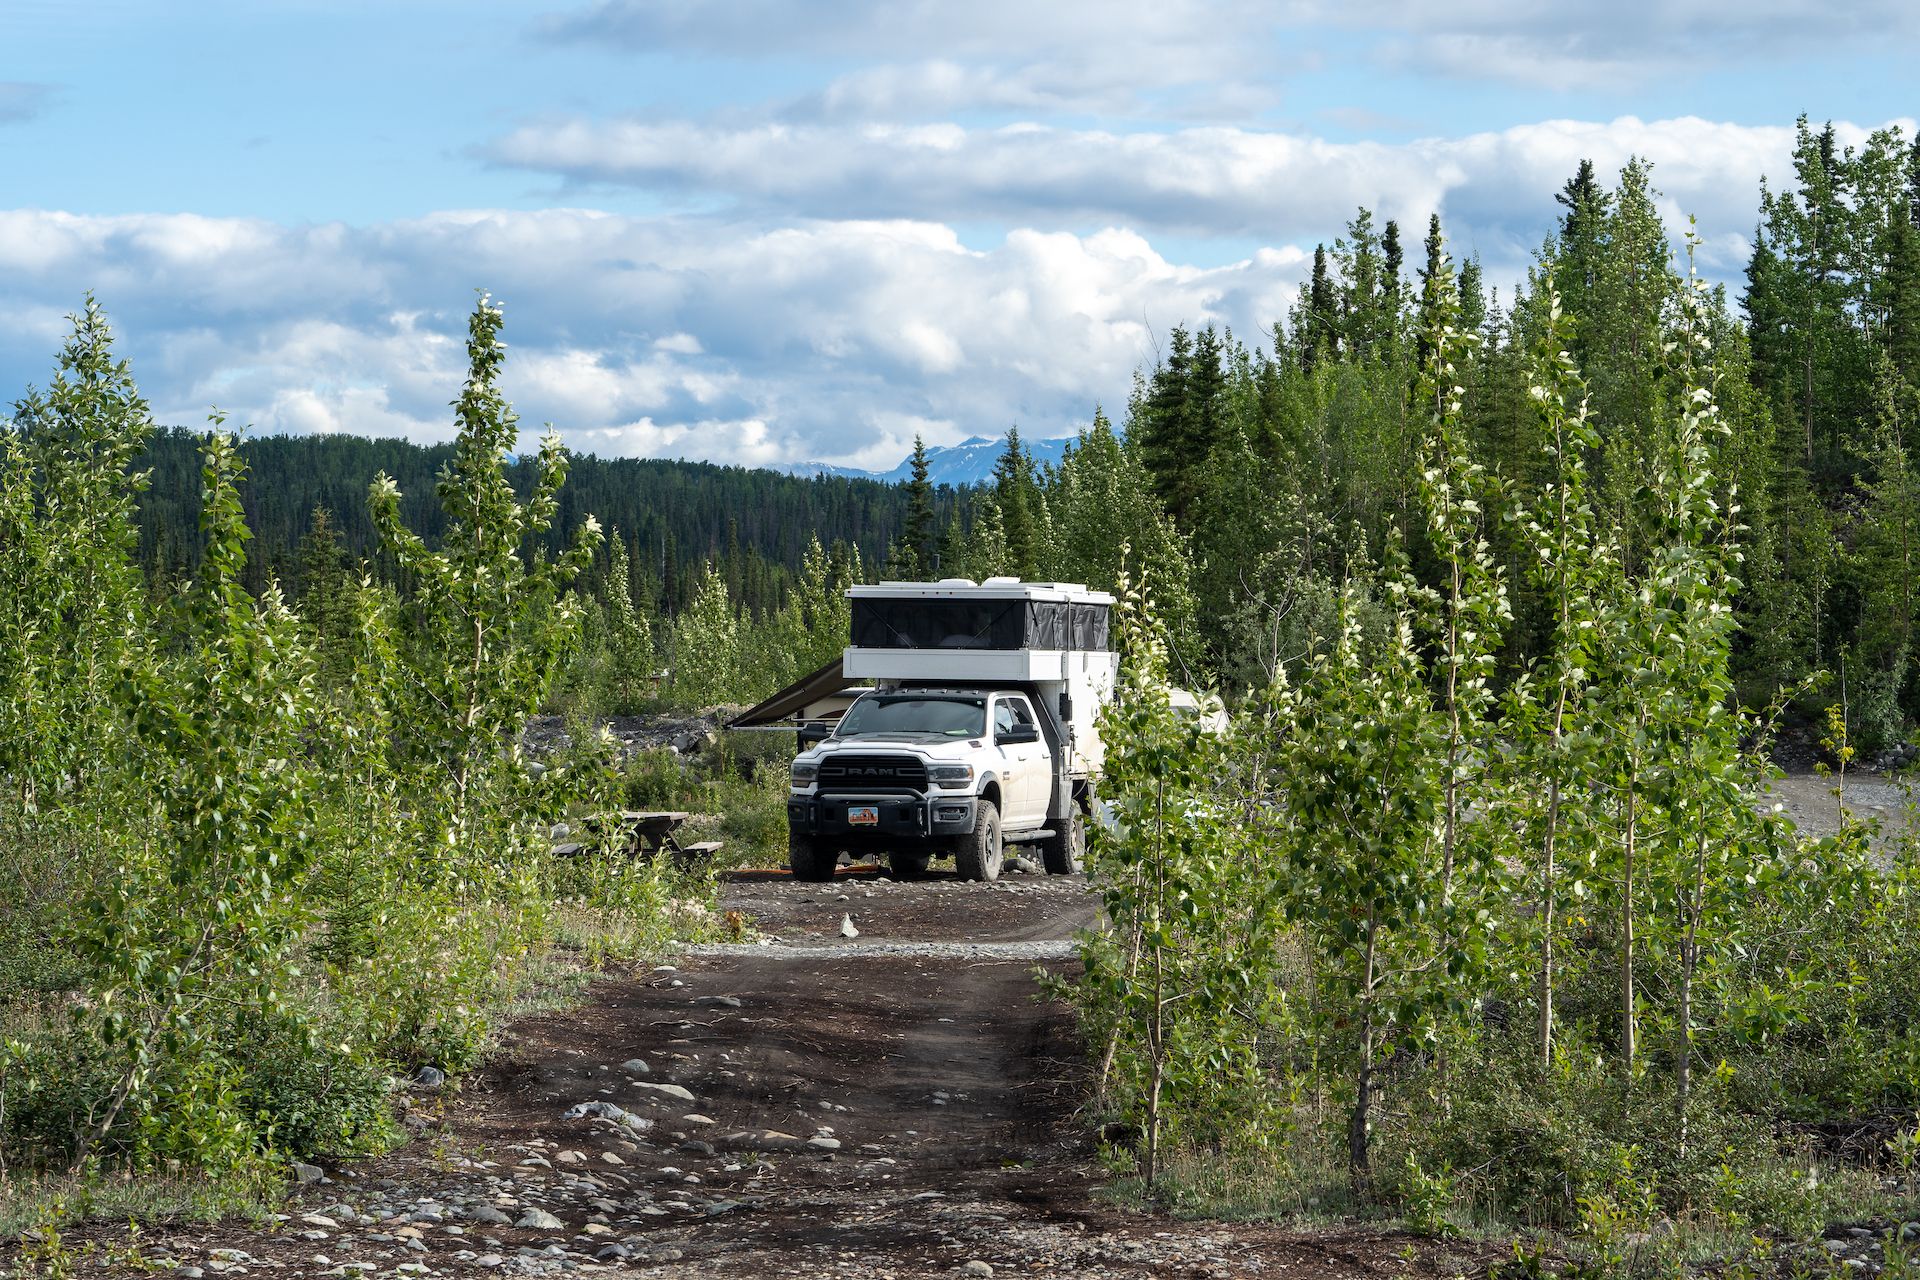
<point>969,462</point>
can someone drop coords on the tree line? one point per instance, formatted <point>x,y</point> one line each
<point>671,518</point>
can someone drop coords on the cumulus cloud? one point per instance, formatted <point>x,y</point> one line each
<point>1214,181</point>
<point>803,329</point>
<point>833,341</point>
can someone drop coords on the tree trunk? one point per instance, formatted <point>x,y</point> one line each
<point>1545,1030</point>
<point>1626,926</point>
<point>1156,1023</point>
<point>1689,964</point>
<point>1683,1037</point>
<point>1359,1160</point>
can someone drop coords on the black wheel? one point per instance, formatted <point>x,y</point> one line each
<point>1065,853</point>
<point>809,861</point>
<point>908,864</point>
<point>980,855</point>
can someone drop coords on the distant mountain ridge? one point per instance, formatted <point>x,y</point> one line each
<point>969,462</point>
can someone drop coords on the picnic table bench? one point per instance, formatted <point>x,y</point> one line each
<point>647,834</point>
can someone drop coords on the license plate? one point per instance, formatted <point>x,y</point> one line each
<point>863,816</point>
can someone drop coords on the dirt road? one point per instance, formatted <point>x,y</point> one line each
<point>894,1104</point>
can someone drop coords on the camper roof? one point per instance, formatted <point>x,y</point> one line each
<point>991,589</point>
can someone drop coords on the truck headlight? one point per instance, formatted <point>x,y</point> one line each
<point>950,775</point>
<point>803,774</point>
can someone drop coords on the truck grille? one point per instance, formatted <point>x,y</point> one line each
<point>866,773</point>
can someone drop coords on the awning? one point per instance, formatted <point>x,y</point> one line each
<point>788,702</point>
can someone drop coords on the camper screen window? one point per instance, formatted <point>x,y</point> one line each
<point>979,624</point>
<point>1047,625</point>
<point>1090,627</point>
<point>939,624</point>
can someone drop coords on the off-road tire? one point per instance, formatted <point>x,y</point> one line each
<point>1065,853</point>
<point>979,856</point>
<point>908,864</point>
<point>809,860</point>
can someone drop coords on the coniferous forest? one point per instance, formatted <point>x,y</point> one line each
<point>673,517</point>
<point>1477,915</point>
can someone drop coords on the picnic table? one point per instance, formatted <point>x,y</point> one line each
<point>647,834</point>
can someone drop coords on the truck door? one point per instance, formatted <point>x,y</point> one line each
<point>1027,784</point>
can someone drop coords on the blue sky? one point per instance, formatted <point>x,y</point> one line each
<point>764,232</point>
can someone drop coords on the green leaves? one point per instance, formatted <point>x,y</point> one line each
<point>70,601</point>
<point>1179,984</point>
<point>707,646</point>
<point>203,913</point>
<point>231,855</point>
<point>487,625</point>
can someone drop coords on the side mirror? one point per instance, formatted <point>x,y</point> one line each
<point>1017,734</point>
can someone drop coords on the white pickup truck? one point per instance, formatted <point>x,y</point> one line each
<point>981,730</point>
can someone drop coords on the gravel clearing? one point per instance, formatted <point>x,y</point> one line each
<point>757,1112</point>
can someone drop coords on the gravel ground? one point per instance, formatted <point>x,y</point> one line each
<point>1810,800</point>
<point>901,1104</point>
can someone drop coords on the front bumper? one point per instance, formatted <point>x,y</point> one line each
<point>897,815</point>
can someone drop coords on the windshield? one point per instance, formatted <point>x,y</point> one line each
<point>937,717</point>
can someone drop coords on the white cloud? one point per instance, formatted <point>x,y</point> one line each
<point>1214,181</point>
<point>1085,29</point>
<point>650,336</point>
<point>805,328</point>
<point>1114,56</point>
<point>747,442</point>
<point>894,442</point>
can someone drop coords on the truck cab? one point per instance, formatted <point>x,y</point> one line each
<point>981,731</point>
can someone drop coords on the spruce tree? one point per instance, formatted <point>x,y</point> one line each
<point>1903,276</point>
<point>1579,252</point>
<point>326,599</point>
<point>1435,277</point>
<point>1363,322</point>
<point>1477,311</point>
<point>1180,417</point>
<point>950,558</point>
<point>1316,315</point>
<point>916,550</point>
<point>1017,498</point>
<point>1393,267</point>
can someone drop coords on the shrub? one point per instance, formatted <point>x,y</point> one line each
<point>311,1095</point>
